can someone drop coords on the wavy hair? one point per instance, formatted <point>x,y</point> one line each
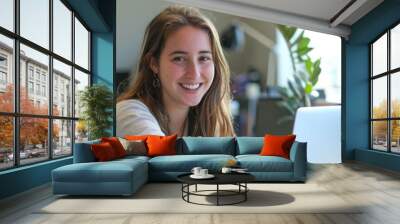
<point>211,117</point>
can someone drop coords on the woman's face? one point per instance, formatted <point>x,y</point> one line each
<point>186,67</point>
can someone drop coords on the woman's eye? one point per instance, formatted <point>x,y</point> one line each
<point>205,58</point>
<point>178,59</point>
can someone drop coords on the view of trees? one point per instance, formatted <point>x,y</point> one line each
<point>34,131</point>
<point>380,127</point>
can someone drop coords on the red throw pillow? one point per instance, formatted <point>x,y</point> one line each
<point>277,145</point>
<point>161,145</point>
<point>103,151</point>
<point>116,145</point>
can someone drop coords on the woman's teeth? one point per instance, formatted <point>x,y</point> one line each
<point>191,86</point>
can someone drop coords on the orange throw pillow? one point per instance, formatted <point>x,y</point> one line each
<point>103,152</point>
<point>277,145</point>
<point>161,145</point>
<point>116,145</point>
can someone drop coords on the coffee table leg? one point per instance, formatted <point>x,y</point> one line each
<point>188,189</point>
<point>245,191</point>
<point>196,188</point>
<point>217,194</point>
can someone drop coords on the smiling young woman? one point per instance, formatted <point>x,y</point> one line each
<point>181,85</point>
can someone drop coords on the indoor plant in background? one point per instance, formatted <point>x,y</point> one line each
<point>96,102</point>
<point>305,71</point>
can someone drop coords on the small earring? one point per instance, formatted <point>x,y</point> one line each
<point>156,82</point>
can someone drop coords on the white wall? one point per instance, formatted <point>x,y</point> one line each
<point>132,19</point>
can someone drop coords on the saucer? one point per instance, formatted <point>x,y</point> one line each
<point>208,176</point>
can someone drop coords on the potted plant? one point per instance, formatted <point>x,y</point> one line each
<point>96,102</point>
<point>305,71</point>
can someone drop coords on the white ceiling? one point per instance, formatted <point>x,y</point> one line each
<point>320,9</point>
<point>315,15</point>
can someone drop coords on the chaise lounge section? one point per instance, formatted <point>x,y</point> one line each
<point>125,176</point>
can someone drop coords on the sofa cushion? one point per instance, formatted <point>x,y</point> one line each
<point>206,145</point>
<point>249,145</point>
<point>111,171</point>
<point>257,163</point>
<point>132,158</point>
<point>185,163</point>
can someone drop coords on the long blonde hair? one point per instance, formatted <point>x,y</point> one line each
<point>211,117</point>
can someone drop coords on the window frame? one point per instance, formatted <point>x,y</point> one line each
<point>388,74</point>
<point>16,114</point>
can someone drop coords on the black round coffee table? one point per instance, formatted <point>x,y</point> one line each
<point>238,179</point>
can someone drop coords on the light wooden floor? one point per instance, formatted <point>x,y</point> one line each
<point>378,188</point>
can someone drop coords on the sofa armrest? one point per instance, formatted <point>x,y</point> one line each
<point>83,152</point>
<point>298,155</point>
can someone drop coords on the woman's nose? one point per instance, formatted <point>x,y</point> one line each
<point>193,69</point>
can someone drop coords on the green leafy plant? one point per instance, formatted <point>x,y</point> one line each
<point>96,102</point>
<point>305,71</point>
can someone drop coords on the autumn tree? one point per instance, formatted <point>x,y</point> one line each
<point>33,130</point>
<point>380,127</point>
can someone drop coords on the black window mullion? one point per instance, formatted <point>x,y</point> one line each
<point>89,53</point>
<point>16,113</point>
<point>371,137</point>
<point>73,82</point>
<point>389,106</point>
<point>16,83</point>
<point>50,87</point>
<point>81,68</point>
<point>388,74</point>
<point>50,53</point>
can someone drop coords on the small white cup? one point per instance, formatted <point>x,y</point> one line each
<point>226,170</point>
<point>203,172</point>
<point>196,170</point>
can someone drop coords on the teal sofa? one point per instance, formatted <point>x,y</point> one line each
<point>125,176</point>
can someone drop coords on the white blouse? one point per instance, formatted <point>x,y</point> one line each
<point>135,118</point>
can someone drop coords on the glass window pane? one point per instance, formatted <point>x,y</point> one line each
<point>379,135</point>
<point>395,136</point>
<point>34,97</point>
<point>395,47</point>
<point>6,142</point>
<point>395,94</point>
<point>62,29</point>
<point>33,140</point>
<point>379,98</point>
<point>6,74</point>
<point>7,14</point>
<point>81,45</point>
<point>62,138</point>
<point>35,21</point>
<point>81,131</point>
<point>379,55</point>
<point>62,89</point>
<point>81,81</point>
